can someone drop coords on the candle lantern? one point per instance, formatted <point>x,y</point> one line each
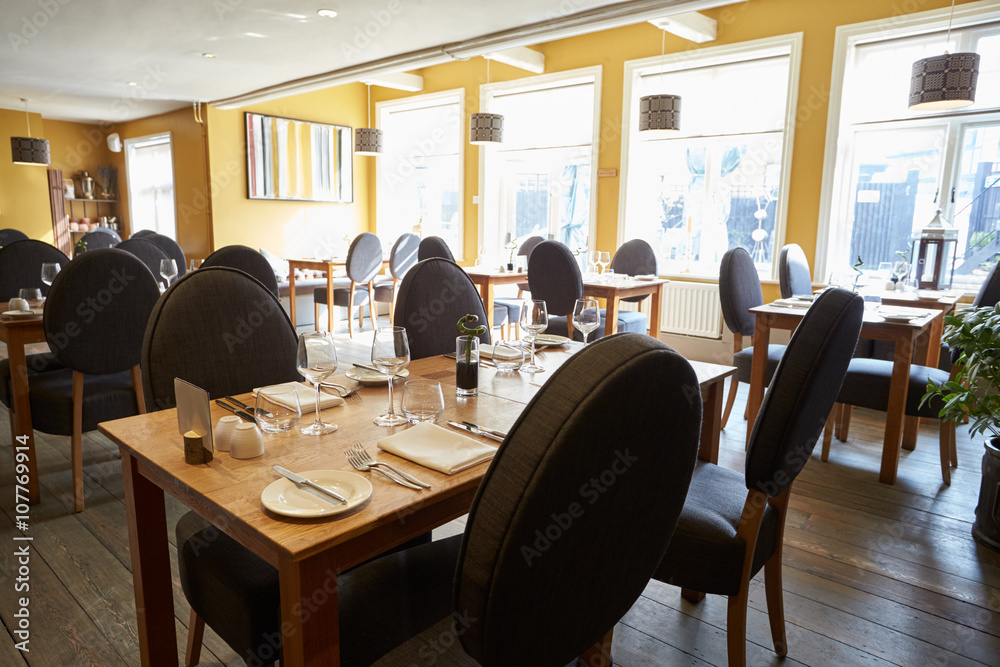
<point>933,254</point>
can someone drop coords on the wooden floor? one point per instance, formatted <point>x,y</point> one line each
<point>873,574</point>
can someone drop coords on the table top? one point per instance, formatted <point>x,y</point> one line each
<point>872,321</point>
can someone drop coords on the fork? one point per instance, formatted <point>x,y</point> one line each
<point>358,464</point>
<point>366,458</point>
<point>342,390</point>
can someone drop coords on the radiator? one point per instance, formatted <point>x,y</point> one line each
<point>691,309</point>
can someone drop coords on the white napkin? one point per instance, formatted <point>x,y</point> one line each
<point>438,448</point>
<point>792,303</point>
<point>486,352</point>
<point>307,397</point>
<point>645,276</point>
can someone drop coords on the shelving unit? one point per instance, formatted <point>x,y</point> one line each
<point>101,207</point>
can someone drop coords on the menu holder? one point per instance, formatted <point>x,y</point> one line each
<point>194,421</point>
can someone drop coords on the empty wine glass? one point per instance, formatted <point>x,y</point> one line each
<point>534,319</point>
<point>390,354</point>
<point>899,271</point>
<point>595,260</point>
<point>605,260</point>
<point>49,271</point>
<point>316,360</point>
<point>168,269</point>
<point>586,317</point>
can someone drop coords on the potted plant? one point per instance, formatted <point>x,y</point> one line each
<point>467,356</point>
<point>80,246</point>
<point>975,391</point>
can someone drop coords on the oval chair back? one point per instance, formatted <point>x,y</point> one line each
<point>793,272</point>
<point>221,330</point>
<point>612,434</point>
<point>248,261</point>
<point>528,244</point>
<point>21,266</point>
<point>147,251</point>
<point>173,251</point>
<point>989,293</point>
<point>364,258</point>
<point>434,246</point>
<point>433,296</point>
<point>554,277</point>
<point>8,236</point>
<point>739,291</point>
<point>96,240</point>
<point>635,258</point>
<point>403,255</point>
<point>142,233</point>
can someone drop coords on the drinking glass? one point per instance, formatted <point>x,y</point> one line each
<point>507,358</point>
<point>534,319</point>
<point>49,271</point>
<point>277,408</point>
<point>605,259</point>
<point>196,264</point>
<point>899,270</point>
<point>422,401</point>
<point>168,269</point>
<point>30,294</point>
<point>390,354</point>
<point>586,317</point>
<point>595,259</point>
<point>885,270</point>
<point>316,360</point>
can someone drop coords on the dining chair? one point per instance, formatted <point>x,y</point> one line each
<point>94,319</point>
<point>364,261</point>
<point>732,524</point>
<point>402,256</point>
<point>147,251</point>
<point>172,250</point>
<point>554,277</point>
<point>433,295</point>
<point>248,261</point>
<point>96,239</point>
<point>142,233</point>
<point>739,291</point>
<point>8,236</point>
<point>527,245</point>
<point>433,246</point>
<point>793,272</point>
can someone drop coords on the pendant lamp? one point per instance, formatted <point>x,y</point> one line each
<point>27,150</point>
<point>660,115</point>
<point>944,82</point>
<point>368,140</point>
<point>486,128</point>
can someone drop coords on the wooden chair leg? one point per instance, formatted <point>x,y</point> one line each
<point>736,629</point>
<point>828,433</point>
<point>350,312</point>
<point>692,595</point>
<point>196,632</point>
<point>775,603</point>
<point>316,315</point>
<point>953,449</point>
<point>946,428</point>
<point>76,442</point>
<point>730,401</point>
<point>371,306</point>
<point>140,397</point>
<point>599,655</point>
<point>844,427</point>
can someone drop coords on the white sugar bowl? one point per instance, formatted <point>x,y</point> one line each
<point>224,432</point>
<point>246,441</point>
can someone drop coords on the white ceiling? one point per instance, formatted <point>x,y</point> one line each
<point>75,61</point>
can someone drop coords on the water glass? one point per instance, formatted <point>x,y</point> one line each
<point>32,295</point>
<point>277,408</point>
<point>422,401</point>
<point>507,358</point>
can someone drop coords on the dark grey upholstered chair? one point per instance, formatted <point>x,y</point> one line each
<point>433,246</point>
<point>142,233</point>
<point>635,258</point>
<point>554,277</point>
<point>732,524</point>
<point>21,266</point>
<point>148,252</point>
<point>8,236</point>
<point>402,256</point>
<point>793,272</point>
<point>739,291</point>
<point>105,295</point>
<point>173,251</point>
<point>433,295</point>
<point>364,261</point>
<point>97,239</point>
<point>527,245</point>
<point>248,261</point>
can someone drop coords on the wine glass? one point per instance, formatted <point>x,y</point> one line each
<point>605,260</point>
<point>534,319</point>
<point>586,317</point>
<point>899,270</point>
<point>316,360</point>
<point>49,271</point>
<point>390,354</point>
<point>595,259</point>
<point>168,269</point>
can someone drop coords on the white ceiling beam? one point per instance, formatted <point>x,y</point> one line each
<point>692,26</point>
<point>412,83</point>
<point>521,57</point>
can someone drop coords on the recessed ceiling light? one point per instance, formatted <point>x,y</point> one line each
<point>253,34</point>
<point>208,55</point>
<point>132,83</point>
<point>327,13</point>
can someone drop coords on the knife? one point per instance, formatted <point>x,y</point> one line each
<point>246,416</point>
<point>299,479</point>
<point>489,431</point>
<point>475,431</point>
<point>246,407</point>
<point>375,370</point>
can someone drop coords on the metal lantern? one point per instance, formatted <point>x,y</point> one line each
<point>934,254</point>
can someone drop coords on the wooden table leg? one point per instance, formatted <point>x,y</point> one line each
<point>329,302</point>
<point>21,404</point>
<point>654,312</point>
<point>711,421</point>
<point>758,371</point>
<point>149,549</point>
<point>291,296</point>
<point>898,388</point>
<point>926,352</point>
<point>611,316</point>
<point>309,616</point>
<point>487,290</point>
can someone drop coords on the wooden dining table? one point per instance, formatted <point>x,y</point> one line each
<point>327,265</point>
<point>911,341</point>
<point>17,334</point>
<point>308,553</point>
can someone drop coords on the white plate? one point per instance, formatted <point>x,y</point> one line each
<point>22,314</point>
<point>371,377</point>
<point>551,339</point>
<point>283,496</point>
<point>900,315</point>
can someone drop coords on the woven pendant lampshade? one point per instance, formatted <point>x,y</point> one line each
<point>367,141</point>
<point>28,150</point>
<point>485,128</point>
<point>944,82</point>
<point>660,114</point>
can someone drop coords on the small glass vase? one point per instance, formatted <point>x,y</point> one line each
<point>467,365</point>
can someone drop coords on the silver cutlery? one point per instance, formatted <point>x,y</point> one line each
<point>358,464</point>
<point>240,404</point>
<point>474,430</point>
<point>489,431</point>
<point>375,370</point>
<point>245,416</point>
<point>341,389</point>
<point>365,457</point>
<point>299,479</point>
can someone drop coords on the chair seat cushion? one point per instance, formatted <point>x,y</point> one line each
<point>524,287</point>
<point>628,320</point>
<point>513,306</point>
<point>867,386</point>
<point>341,292</point>
<point>383,290</point>
<point>36,363</point>
<point>500,315</point>
<point>743,360</point>
<point>104,397</point>
<point>705,553</point>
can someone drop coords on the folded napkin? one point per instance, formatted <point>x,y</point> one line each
<point>486,351</point>
<point>307,397</point>
<point>645,276</point>
<point>792,303</point>
<point>437,448</point>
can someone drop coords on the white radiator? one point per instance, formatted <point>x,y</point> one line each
<point>691,309</point>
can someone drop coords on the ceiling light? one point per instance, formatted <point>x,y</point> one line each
<point>660,115</point>
<point>944,82</point>
<point>253,34</point>
<point>368,140</point>
<point>26,150</point>
<point>327,13</point>
<point>132,83</point>
<point>486,128</point>
<point>208,55</point>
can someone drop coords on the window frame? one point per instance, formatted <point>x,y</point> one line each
<point>711,57</point>
<point>128,146</point>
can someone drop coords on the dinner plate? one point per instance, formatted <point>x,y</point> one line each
<point>371,377</point>
<point>550,340</point>
<point>21,314</point>
<point>894,315</point>
<point>283,496</point>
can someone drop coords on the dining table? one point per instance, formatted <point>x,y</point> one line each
<point>329,266</point>
<point>309,553</point>
<point>911,343</point>
<point>17,333</point>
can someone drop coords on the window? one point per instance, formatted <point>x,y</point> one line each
<point>721,182</point>
<point>888,169</point>
<point>539,181</point>
<point>420,168</point>
<point>149,169</point>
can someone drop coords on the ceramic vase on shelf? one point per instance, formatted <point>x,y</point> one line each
<point>467,365</point>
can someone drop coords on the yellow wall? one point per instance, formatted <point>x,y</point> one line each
<point>287,228</point>
<point>24,190</point>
